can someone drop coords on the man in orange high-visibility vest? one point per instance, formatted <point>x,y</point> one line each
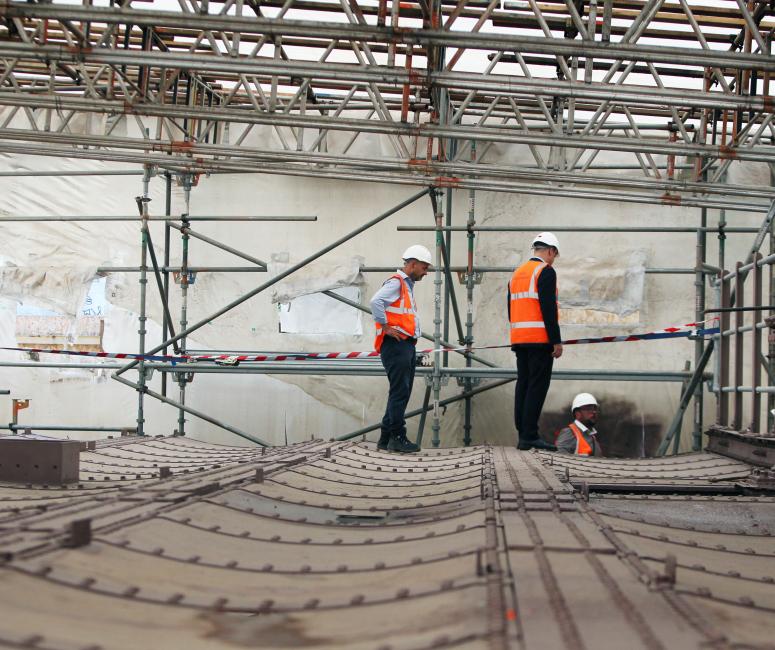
<point>535,336</point>
<point>580,436</point>
<point>398,328</point>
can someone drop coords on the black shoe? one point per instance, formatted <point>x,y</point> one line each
<point>402,445</point>
<point>537,443</point>
<point>384,439</point>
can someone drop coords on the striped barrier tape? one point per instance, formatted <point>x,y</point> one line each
<point>690,329</point>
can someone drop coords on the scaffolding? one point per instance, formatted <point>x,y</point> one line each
<point>682,92</point>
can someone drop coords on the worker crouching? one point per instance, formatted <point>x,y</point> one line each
<point>580,436</point>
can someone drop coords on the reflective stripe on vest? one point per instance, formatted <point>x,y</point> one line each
<point>527,321</point>
<point>400,315</point>
<point>583,448</point>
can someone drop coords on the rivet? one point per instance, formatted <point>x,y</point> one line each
<point>265,606</point>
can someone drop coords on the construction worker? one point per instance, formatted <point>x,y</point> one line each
<point>535,336</point>
<point>398,328</point>
<point>580,436</point>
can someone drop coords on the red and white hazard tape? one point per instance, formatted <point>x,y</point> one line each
<point>668,333</point>
<point>234,359</point>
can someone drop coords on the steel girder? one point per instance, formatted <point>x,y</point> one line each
<point>407,75</point>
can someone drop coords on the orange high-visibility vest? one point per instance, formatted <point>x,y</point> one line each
<point>527,322</point>
<point>400,315</point>
<point>583,448</point>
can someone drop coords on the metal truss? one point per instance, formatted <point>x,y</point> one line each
<point>656,80</point>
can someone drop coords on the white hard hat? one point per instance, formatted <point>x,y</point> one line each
<point>583,399</point>
<point>419,253</point>
<point>547,238</point>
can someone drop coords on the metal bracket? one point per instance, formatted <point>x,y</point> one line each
<point>190,277</point>
<point>470,381</point>
<point>761,479</point>
<point>184,377</point>
<point>666,579</point>
<point>78,534</point>
<point>148,373</point>
<point>462,277</point>
<point>16,406</point>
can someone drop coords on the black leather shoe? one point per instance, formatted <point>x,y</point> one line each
<point>524,445</point>
<point>382,443</point>
<point>402,445</point>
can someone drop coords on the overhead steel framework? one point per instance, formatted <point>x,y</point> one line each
<point>654,79</point>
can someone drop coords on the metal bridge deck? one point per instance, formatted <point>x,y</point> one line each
<point>337,545</point>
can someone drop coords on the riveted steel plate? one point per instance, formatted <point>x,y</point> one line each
<point>338,545</point>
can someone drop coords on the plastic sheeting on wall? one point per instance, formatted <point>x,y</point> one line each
<point>316,313</point>
<point>320,275</point>
<point>62,289</point>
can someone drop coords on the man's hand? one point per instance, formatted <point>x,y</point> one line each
<point>392,331</point>
<point>557,350</point>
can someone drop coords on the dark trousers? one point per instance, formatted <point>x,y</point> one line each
<point>534,373</point>
<point>399,359</point>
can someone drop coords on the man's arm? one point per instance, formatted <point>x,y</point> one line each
<point>388,293</point>
<point>566,441</point>
<point>547,298</point>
